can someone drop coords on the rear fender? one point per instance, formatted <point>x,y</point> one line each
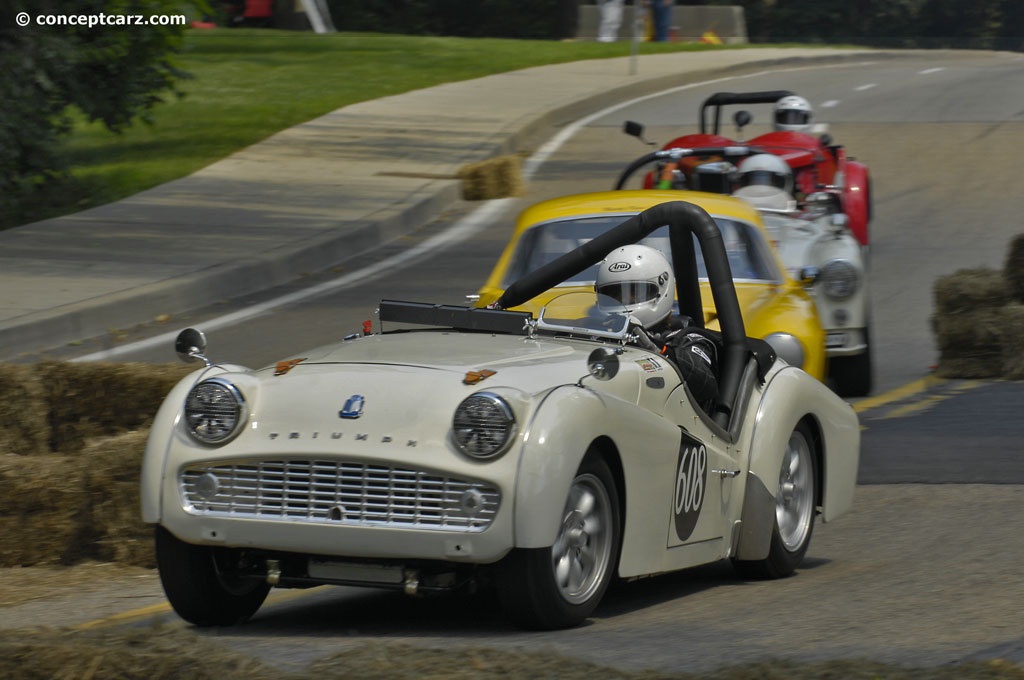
<point>857,200</point>
<point>790,397</point>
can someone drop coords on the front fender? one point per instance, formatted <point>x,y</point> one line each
<point>561,432</point>
<point>790,397</point>
<point>160,437</point>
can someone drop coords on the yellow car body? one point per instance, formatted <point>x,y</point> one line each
<point>774,306</point>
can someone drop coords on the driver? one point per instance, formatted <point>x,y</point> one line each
<point>766,182</point>
<point>639,279</point>
<point>793,114</point>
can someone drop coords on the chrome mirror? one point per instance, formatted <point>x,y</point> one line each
<point>190,345</point>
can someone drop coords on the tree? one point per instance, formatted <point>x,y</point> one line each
<point>110,59</point>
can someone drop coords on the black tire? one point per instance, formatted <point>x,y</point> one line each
<point>199,589</point>
<point>851,376</point>
<point>795,511</point>
<point>560,586</point>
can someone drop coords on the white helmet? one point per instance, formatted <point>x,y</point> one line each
<point>793,113</point>
<point>639,278</point>
<point>766,169</point>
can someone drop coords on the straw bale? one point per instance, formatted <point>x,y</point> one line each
<point>970,333</point>
<point>124,653</point>
<point>970,343</point>
<point>1014,268</point>
<point>113,529</point>
<point>24,428</point>
<point>970,289</point>
<point>101,399</point>
<point>42,498</point>
<point>499,177</point>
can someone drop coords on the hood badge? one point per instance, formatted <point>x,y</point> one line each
<point>473,377</point>
<point>283,367</point>
<point>353,407</point>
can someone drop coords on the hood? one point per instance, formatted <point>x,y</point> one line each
<point>400,387</point>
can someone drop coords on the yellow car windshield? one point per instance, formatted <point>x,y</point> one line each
<point>749,257</point>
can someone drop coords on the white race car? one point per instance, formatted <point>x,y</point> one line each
<point>817,246</point>
<point>541,456</point>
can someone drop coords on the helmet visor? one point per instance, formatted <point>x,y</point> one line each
<point>630,292</point>
<point>792,117</point>
<point>765,178</point>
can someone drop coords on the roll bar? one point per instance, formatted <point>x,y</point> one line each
<point>685,220</point>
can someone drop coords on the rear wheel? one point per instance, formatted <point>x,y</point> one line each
<point>795,507</point>
<point>200,585</point>
<point>560,586</point>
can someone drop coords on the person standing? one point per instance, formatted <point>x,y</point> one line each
<point>661,18</point>
<point>611,19</point>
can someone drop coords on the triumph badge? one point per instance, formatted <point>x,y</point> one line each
<point>353,407</point>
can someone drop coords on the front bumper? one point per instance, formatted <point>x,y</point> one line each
<point>845,342</point>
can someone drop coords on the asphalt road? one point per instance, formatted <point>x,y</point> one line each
<point>925,570</point>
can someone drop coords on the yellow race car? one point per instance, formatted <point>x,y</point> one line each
<point>774,306</point>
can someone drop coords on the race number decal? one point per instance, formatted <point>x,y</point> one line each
<point>691,482</point>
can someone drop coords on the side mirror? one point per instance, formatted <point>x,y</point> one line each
<point>809,274</point>
<point>635,129</point>
<point>603,363</point>
<point>742,119</point>
<point>190,345</point>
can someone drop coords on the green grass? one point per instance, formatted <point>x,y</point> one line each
<point>248,84</point>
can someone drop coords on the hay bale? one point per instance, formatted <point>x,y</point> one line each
<point>24,428</point>
<point>89,400</point>
<point>970,289</point>
<point>113,530</point>
<point>1013,271</point>
<point>1013,342</point>
<point>122,652</point>
<point>970,343</point>
<point>493,178</point>
<point>42,498</point>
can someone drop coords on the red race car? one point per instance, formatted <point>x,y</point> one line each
<point>818,164</point>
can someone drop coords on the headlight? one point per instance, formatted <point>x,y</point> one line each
<point>483,425</point>
<point>840,279</point>
<point>214,411</point>
<point>788,348</point>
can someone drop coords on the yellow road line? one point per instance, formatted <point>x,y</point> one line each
<point>165,607</point>
<point>908,390</point>
<point>122,617</point>
<point>925,403</point>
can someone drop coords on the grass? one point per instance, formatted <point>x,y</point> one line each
<point>247,84</point>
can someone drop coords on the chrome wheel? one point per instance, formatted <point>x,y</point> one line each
<point>794,504</point>
<point>581,554</point>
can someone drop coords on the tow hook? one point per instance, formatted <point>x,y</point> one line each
<point>273,572</point>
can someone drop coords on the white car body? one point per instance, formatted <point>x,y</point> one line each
<point>343,465</point>
<point>818,247</point>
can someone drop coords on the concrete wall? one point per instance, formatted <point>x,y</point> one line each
<point>689,23</point>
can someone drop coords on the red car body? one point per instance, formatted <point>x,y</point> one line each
<point>817,163</point>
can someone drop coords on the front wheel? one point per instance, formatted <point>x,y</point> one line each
<point>795,507</point>
<point>200,585</point>
<point>560,586</point>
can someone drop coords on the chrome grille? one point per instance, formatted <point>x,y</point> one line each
<point>345,493</point>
